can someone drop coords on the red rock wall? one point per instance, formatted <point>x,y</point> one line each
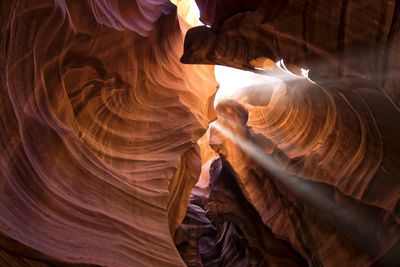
<point>336,139</point>
<point>99,123</point>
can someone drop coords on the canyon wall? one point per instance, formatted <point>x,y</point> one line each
<point>319,160</point>
<point>105,157</point>
<point>99,123</point>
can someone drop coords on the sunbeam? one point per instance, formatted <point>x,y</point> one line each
<point>358,225</point>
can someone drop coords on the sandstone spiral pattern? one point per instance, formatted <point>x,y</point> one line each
<point>99,123</point>
<point>108,156</point>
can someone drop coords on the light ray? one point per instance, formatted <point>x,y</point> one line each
<point>366,232</point>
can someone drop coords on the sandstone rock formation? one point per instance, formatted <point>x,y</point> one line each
<point>336,138</point>
<point>105,156</point>
<point>99,123</point>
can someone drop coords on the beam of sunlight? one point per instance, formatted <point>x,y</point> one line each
<point>366,232</point>
<point>272,167</point>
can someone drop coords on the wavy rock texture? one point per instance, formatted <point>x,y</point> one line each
<point>348,216</point>
<point>333,39</point>
<point>222,229</point>
<point>99,123</point>
<point>336,139</point>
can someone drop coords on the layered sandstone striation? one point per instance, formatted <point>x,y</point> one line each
<point>105,156</point>
<point>329,186</point>
<point>99,123</point>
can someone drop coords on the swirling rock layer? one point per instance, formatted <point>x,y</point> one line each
<point>222,229</point>
<point>336,139</point>
<point>99,123</point>
<point>98,128</point>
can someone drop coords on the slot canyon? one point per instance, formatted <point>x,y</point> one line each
<point>200,133</point>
